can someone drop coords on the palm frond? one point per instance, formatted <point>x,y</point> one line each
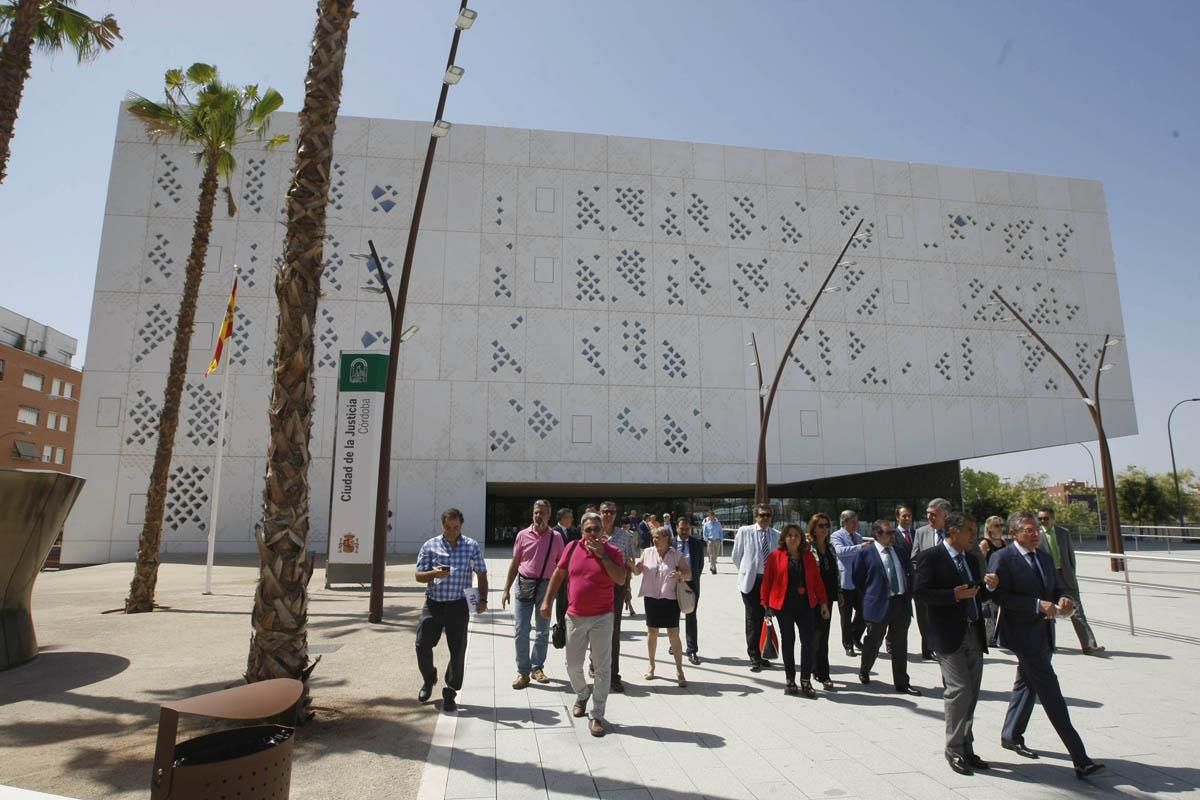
<point>61,26</point>
<point>277,140</point>
<point>160,121</point>
<point>200,74</point>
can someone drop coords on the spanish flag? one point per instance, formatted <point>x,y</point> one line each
<point>226,330</point>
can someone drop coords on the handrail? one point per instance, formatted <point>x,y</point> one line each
<point>1131,585</point>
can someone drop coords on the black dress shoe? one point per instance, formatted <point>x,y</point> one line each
<point>695,659</point>
<point>850,652</point>
<point>756,666</point>
<point>425,693</point>
<point>864,678</point>
<point>449,705</point>
<point>1088,770</point>
<point>976,762</point>
<point>909,690</point>
<point>959,764</point>
<point>926,655</point>
<point>1019,748</point>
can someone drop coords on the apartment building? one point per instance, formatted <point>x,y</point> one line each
<point>39,394</point>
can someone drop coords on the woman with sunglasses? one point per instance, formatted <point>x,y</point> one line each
<point>662,568</point>
<point>792,590</point>
<point>819,528</point>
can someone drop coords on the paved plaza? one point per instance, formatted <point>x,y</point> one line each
<point>80,720</point>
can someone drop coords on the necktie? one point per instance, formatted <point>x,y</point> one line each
<point>893,578</point>
<point>1033,562</point>
<point>941,535</point>
<point>964,570</point>
<point>762,546</point>
<point>1052,545</point>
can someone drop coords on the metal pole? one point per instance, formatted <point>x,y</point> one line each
<point>216,487</point>
<point>1174,470</point>
<point>379,547</point>
<point>1128,598</point>
<point>760,489</point>
<point>760,475</point>
<point>1095,485</point>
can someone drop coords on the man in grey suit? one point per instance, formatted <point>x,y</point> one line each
<point>1056,540</point>
<point>947,583</point>
<point>926,537</point>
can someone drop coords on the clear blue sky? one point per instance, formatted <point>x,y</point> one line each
<point>1103,90</point>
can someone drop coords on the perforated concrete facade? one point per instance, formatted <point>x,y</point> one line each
<point>584,303</point>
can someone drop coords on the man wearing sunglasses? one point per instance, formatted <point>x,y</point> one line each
<point>751,546</point>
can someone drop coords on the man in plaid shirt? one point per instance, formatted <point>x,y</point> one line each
<point>445,563</point>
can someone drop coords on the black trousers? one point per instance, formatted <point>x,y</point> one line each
<point>689,621</point>
<point>618,605</point>
<point>850,612</point>
<point>895,627</point>
<point>1037,682</point>
<point>821,628</point>
<point>752,600</point>
<point>795,621</point>
<point>452,617</point>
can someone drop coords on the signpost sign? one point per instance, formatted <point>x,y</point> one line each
<point>362,377</point>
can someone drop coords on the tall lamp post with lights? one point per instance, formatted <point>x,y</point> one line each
<point>1092,401</point>
<point>452,75</point>
<point>761,494</point>
<point>1174,471</point>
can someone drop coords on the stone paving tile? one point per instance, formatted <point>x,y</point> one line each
<point>733,735</point>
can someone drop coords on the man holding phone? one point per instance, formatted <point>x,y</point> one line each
<point>445,564</point>
<point>594,567</point>
<point>948,580</point>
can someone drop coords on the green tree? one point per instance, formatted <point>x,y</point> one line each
<point>215,117</point>
<point>1141,498</point>
<point>279,644</point>
<point>985,494</point>
<point>53,26</point>
<point>1166,484</point>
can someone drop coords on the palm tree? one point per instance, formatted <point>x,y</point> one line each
<point>279,643</point>
<point>52,25</point>
<point>219,117</point>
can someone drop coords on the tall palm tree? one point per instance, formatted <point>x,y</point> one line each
<point>52,25</point>
<point>279,643</point>
<point>218,117</point>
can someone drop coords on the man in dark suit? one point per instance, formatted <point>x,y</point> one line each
<point>1030,595</point>
<point>947,582</point>
<point>1056,540</point>
<point>926,537</point>
<point>569,533</point>
<point>691,548</point>
<point>905,532</point>
<point>883,574</point>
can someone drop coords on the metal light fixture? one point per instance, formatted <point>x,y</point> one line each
<point>372,289</point>
<point>847,263</point>
<point>453,75</point>
<point>1107,367</point>
<point>466,18</point>
<point>831,289</point>
<point>409,332</point>
<point>1088,401</point>
<point>440,129</point>
<point>1113,342</point>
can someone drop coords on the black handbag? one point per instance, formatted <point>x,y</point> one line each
<point>527,587</point>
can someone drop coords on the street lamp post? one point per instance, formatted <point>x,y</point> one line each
<point>760,482</point>
<point>453,74</point>
<point>760,474</point>
<point>1115,544</point>
<point>1174,471</point>
<point>1095,480</point>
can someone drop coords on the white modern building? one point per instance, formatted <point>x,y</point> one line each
<point>584,304</point>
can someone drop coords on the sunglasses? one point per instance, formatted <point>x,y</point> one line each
<point>763,514</point>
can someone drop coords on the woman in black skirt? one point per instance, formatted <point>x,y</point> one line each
<point>819,529</point>
<point>662,568</point>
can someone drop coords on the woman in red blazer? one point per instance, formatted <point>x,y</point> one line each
<point>792,589</point>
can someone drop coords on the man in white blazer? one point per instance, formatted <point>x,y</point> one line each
<point>751,546</point>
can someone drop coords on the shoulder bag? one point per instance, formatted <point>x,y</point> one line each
<point>527,587</point>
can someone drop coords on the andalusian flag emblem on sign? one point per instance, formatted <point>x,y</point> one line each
<point>226,330</point>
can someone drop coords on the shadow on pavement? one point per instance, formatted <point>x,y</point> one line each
<point>56,672</point>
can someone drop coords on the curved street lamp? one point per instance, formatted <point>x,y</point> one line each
<point>1174,471</point>
<point>1115,543</point>
<point>452,75</point>
<point>760,481</point>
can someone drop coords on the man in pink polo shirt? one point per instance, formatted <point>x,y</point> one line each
<point>535,552</point>
<point>594,567</point>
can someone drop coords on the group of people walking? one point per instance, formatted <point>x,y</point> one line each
<point>966,594</point>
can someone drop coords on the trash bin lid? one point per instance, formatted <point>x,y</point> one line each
<point>252,701</point>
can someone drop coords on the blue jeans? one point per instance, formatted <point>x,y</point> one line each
<point>522,613</point>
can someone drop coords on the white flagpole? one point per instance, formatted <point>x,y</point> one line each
<point>220,451</point>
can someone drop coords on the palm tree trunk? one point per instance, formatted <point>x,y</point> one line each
<point>145,571</point>
<point>279,644</point>
<point>16,59</point>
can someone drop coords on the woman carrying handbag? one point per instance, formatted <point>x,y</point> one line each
<point>662,568</point>
<point>793,591</point>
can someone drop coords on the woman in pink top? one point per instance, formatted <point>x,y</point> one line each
<point>662,568</point>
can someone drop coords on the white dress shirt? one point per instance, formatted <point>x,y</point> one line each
<point>889,553</point>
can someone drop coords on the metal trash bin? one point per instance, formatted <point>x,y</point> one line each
<point>245,763</point>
